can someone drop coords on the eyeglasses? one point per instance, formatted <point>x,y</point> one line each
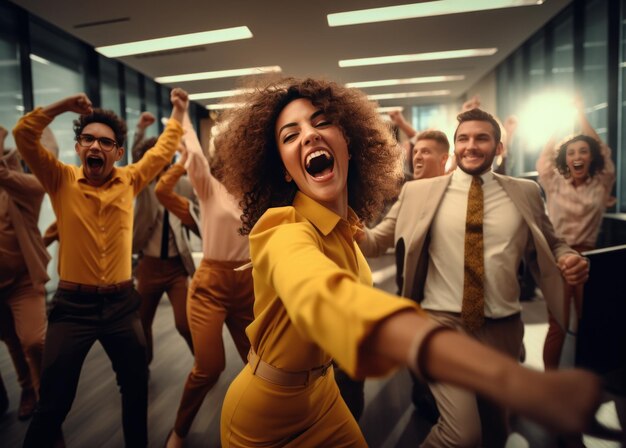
<point>86,140</point>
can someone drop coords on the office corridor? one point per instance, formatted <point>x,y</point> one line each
<point>389,419</point>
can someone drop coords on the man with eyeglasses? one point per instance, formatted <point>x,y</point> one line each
<point>95,299</point>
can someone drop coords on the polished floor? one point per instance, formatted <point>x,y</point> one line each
<point>389,419</point>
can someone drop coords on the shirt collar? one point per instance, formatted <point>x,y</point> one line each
<point>323,219</point>
<point>462,178</point>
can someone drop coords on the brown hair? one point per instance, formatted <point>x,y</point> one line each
<point>597,161</point>
<point>480,115</point>
<point>435,135</point>
<point>254,172</point>
<point>106,117</point>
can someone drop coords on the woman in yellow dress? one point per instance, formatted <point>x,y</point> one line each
<point>310,159</point>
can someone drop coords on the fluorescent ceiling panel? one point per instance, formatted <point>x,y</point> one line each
<point>395,96</point>
<point>432,56</point>
<point>384,110</point>
<point>35,58</point>
<point>218,94</point>
<point>218,74</point>
<point>172,42</point>
<point>398,82</point>
<point>220,106</point>
<point>426,9</point>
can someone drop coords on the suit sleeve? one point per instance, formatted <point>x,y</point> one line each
<point>382,237</point>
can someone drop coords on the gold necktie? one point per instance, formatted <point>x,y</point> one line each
<point>472,311</point>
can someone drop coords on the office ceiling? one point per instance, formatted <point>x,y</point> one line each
<point>294,34</point>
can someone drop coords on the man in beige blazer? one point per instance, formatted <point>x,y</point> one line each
<point>429,220</point>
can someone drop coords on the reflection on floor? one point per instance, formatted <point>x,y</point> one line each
<point>389,419</point>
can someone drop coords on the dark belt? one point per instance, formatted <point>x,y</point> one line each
<point>282,377</point>
<point>95,289</point>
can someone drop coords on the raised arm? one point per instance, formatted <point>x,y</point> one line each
<point>398,119</point>
<point>175,203</point>
<point>197,164</point>
<point>153,162</point>
<point>546,163</point>
<point>28,134</point>
<point>145,120</point>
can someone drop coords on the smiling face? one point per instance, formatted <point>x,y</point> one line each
<point>315,154</point>
<point>475,146</point>
<point>578,159</point>
<point>97,163</point>
<point>429,159</point>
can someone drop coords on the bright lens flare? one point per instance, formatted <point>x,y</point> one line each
<point>546,115</point>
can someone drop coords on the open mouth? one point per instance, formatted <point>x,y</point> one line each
<point>578,166</point>
<point>319,163</point>
<point>94,162</point>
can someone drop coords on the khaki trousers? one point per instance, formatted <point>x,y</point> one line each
<point>26,306</point>
<point>155,277</point>
<point>466,419</point>
<point>8,335</point>
<point>218,295</point>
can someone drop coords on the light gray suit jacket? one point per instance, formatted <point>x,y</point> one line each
<point>408,225</point>
<point>146,209</point>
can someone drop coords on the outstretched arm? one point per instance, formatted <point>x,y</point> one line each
<point>564,401</point>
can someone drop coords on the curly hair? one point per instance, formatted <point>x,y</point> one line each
<point>254,172</point>
<point>106,117</point>
<point>597,161</point>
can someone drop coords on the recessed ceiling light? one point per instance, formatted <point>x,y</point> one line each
<point>397,82</point>
<point>394,96</point>
<point>172,42</point>
<point>425,9</point>
<point>218,74</point>
<point>221,106</point>
<point>218,94</point>
<point>432,56</point>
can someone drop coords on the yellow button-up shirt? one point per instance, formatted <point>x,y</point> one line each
<point>95,223</point>
<point>313,294</point>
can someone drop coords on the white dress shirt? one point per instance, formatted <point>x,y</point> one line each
<point>505,235</point>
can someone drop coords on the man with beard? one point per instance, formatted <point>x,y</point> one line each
<point>498,220</point>
<point>95,300</point>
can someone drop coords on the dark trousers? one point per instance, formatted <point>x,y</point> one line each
<point>352,392</point>
<point>75,322</point>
